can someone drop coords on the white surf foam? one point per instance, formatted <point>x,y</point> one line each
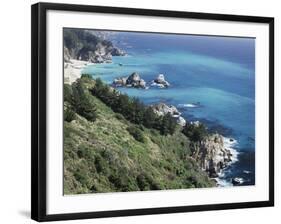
<point>190,105</point>
<point>229,144</point>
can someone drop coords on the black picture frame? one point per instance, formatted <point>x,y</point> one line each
<point>38,108</point>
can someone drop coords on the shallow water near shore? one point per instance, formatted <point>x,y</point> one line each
<point>212,80</point>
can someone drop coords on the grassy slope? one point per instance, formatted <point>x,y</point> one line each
<point>102,156</point>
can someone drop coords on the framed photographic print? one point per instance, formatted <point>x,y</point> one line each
<point>139,111</point>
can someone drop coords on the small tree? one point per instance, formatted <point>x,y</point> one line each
<point>195,132</point>
<point>168,125</point>
<point>82,102</point>
<point>87,109</point>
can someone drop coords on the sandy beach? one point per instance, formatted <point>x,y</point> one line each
<point>72,70</point>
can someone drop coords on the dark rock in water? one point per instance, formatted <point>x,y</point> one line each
<point>237,181</point>
<point>134,80</point>
<point>231,140</point>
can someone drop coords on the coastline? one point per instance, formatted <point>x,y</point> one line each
<point>72,70</point>
<point>229,145</point>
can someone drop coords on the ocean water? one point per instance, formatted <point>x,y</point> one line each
<point>212,80</point>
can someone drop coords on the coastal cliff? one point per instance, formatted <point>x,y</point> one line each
<point>212,155</point>
<point>85,45</point>
<point>209,150</point>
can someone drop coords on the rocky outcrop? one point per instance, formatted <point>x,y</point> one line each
<point>102,54</point>
<point>134,80</point>
<point>181,121</point>
<point>160,82</point>
<point>117,52</point>
<point>86,46</point>
<point>211,154</point>
<point>162,109</point>
<point>66,55</point>
<point>237,181</point>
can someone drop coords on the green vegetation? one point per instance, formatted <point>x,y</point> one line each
<point>195,132</point>
<point>69,114</point>
<point>82,101</point>
<point>136,133</point>
<point>120,152</point>
<point>132,109</point>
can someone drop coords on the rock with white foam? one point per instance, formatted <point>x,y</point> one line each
<point>160,82</point>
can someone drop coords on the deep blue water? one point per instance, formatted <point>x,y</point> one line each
<point>217,72</point>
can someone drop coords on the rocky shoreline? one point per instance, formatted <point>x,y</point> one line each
<point>162,109</point>
<point>212,155</point>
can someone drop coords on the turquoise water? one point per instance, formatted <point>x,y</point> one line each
<point>217,72</point>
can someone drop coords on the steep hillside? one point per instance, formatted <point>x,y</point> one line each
<point>104,152</point>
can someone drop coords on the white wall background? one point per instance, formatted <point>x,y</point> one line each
<point>15,109</point>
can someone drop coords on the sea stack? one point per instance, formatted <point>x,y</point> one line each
<point>160,82</point>
<point>134,80</point>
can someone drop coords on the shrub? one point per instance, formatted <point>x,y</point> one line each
<point>87,109</point>
<point>119,116</point>
<point>86,76</point>
<point>100,164</point>
<point>122,181</point>
<point>67,93</point>
<point>81,177</point>
<point>69,114</point>
<point>86,152</point>
<point>142,182</point>
<point>136,133</point>
<point>146,182</point>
